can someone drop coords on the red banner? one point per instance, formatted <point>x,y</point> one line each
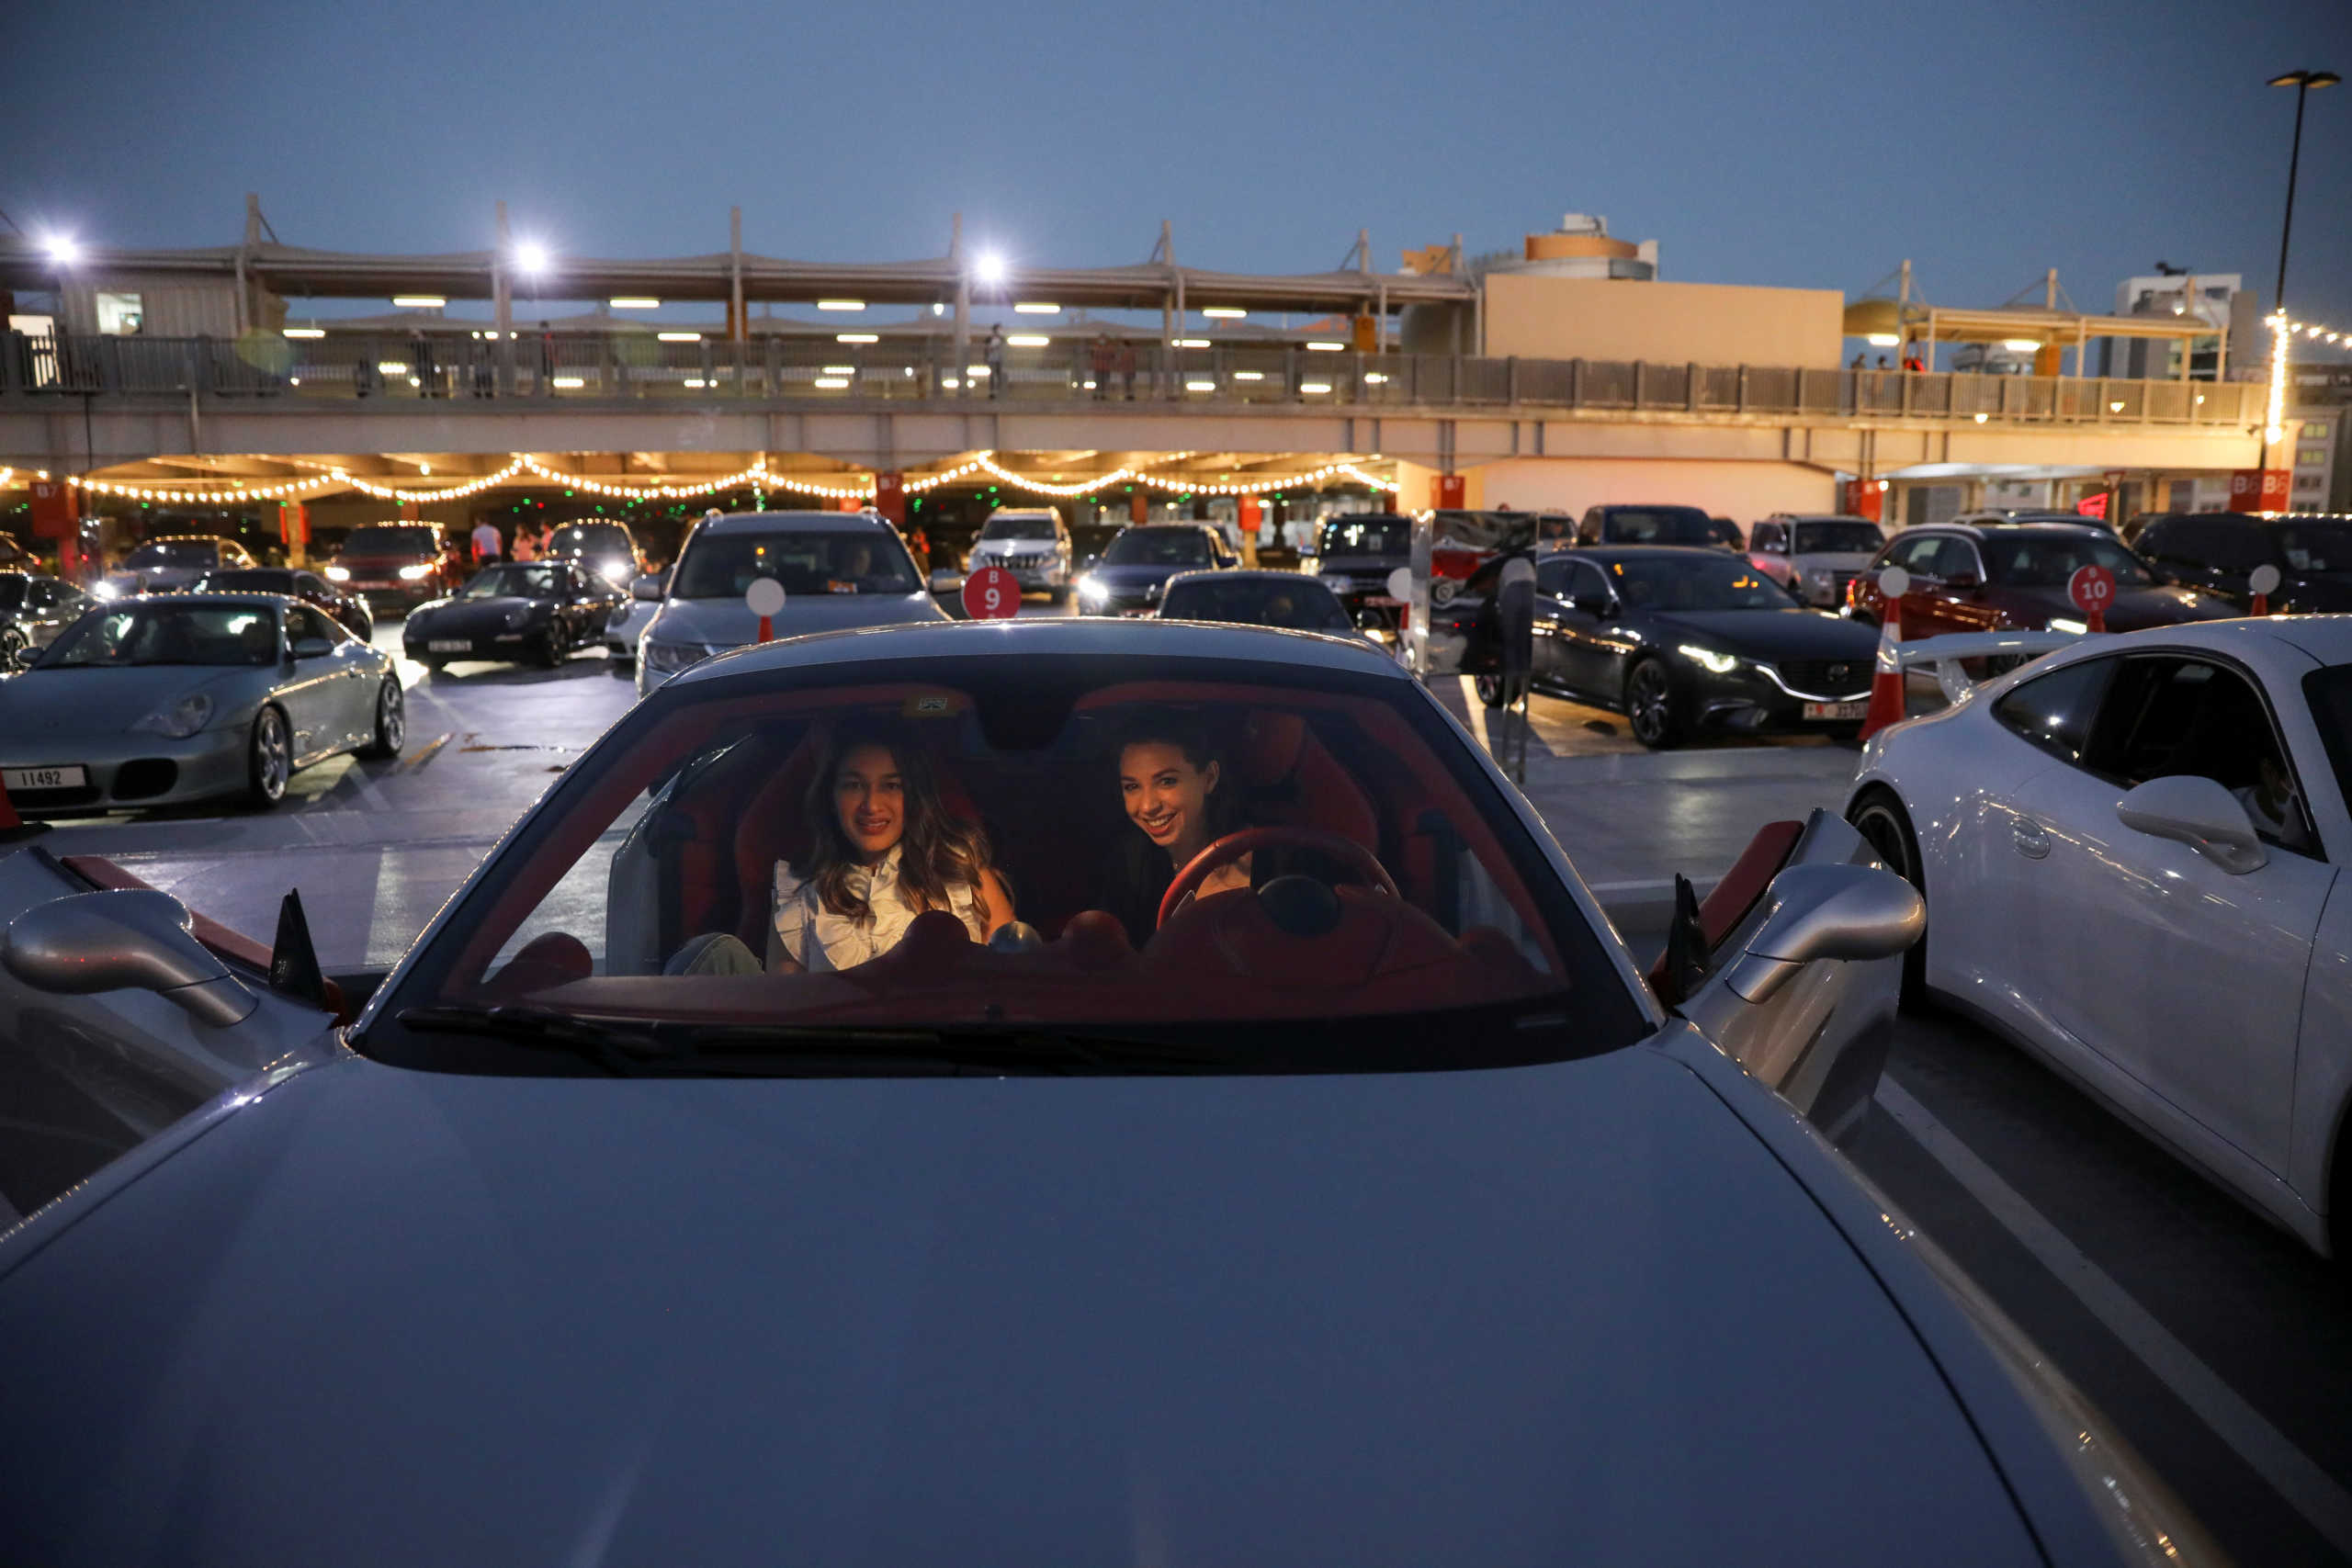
<point>2092,506</point>
<point>1451,488</point>
<point>1865,498</point>
<point>2260,490</point>
<point>55,516</point>
<point>890,496</point>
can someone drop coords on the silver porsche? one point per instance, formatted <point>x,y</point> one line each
<point>155,701</point>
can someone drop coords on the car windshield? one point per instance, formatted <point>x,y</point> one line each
<point>809,560</point>
<point>1158,546</point>
<point>1367,537</point>
<point>514,581</point>
<point>815,871</point>
<point>590,539</point>
<point>173,553</point>
<point>1299,603</point>
<point>1018,526</point>
<point>1838,538</point>
<point>385,539</point>
<point>2015,559</point>
<point>252,580</point>
<point>2316,547</point>
<point>1659,525</point>
<point>167,633</point>
<point>1694,582</point>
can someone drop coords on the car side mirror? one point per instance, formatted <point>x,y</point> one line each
<point>1845,911</point>
<point>313,647</point>
<point>1593,604</point>
<point>2192,810</point>
<point>123,940</point>
<point>647,587</point>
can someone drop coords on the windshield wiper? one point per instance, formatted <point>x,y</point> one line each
<point>674,1048</point>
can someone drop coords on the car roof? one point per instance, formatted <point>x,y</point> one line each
<point>187,539</point>
<point>1822,517</point>
<point>1645,552</point>
<point>801,522</point>
<point>2327,638</point>
<point>1251,573</point>
<point>952,642</point>
<point>1648,506</point>
<point>1980,529</point>
<point>214,596</point>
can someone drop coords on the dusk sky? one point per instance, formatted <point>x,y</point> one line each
<point>1815,145</point>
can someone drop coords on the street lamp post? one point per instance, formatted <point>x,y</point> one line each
<point>2302,82</point>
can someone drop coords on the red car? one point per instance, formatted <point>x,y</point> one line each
<point>404,562</point>
<point>2013,577</point>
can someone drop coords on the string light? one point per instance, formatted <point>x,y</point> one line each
<point>242,489</point>
<point>2320,332</point>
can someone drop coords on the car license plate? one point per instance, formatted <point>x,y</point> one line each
<point>44,778</point>
<point>448,645</point>
<point>1838,711</point>
<point>364,586</point>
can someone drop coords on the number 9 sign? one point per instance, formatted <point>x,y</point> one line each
<point>991,593</point>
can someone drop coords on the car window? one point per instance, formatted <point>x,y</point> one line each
<point>1675,581</point>
<point>1585,580</point>
<point>1158,546</point>
<point>2054,711</point>
<point>1368,535</point>
<point>2018,559</point>
<point>2171,715</point>
<point>590,538</point>
<point>167,633</point>
<point>373,539</point>
<point>1552,576</point>
<point>804,560</point>
<point>1297,602</point>
<point>173,553</point>
<point>306,584</point>
<point>535,580</point>
<point>1018,526</point>
<point>1660,525</point>
<point>2315,548</point>
<point>304,621</point>
<point>1954,558</point>
<point>708,865</point>
<point>1764,535</point>
<point>1917,556</point>
<point>1832,538</point>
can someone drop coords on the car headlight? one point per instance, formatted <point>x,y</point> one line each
<point>614,571</point>
<point>1819,576</point>
<point>1711,660</point>
<point>2062,623</point>
<point>669,658</point>
<point>412,573</point>
<point>106,590</point>
<point>178,720</point>
<point>342,574</point>
<point>1090,592</point>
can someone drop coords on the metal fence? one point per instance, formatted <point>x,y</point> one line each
<point>643,366</point>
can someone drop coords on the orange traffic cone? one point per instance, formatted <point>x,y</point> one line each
<point>1886,680</point>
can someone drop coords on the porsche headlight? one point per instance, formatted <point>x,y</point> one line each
<point>614,571</point>
<point>342,574</point>
<point>408,573</point>
<point>177,720</point>
<point>1713,661</point>
<point>668,658</point>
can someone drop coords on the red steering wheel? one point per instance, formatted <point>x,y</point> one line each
<point>1233,846</point>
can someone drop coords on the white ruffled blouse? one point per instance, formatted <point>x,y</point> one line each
<point>818,939</point>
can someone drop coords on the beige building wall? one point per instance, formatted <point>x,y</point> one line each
<point>1741,491</point>
<point>1534,317</point>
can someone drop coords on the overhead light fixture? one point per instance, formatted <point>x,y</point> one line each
<point>572,382</point>
<point>1223,313</point>
<point>1248,375</point>
<point>857,337</point>
<point>1327,347</point>
<point>390,368</point>
<point>635,302</point>
<point>1200,385</point>
<point>989,267</point>
<point>679,337</point>
<point>1375,376</point>
<point>1315,386</point>
<point>304,332</point>
<point>840,371</point>
<point>832,383</point>
<point>1028,340</point>
<point>2020,344</point>
<point>419,301</point>
<point>1882,340</point>
<point>1193,342</point>
<point>841,304</point>
<point>532,258</point>
<point>1983,417</point>
<point>62,249</point>
<point>1037,308</point>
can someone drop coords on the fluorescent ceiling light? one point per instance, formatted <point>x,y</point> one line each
<point>695,381</point>
<point>1328,347</point>
<point>61,249</point>
<point>305,331</point>
<point>390,368</point>
<point>1248,375</point>
<point>990,268</point>
<point>2020,344</point>
<point>834,383</point>
<point>856,337</point>
<point>1193,342</point>
<point>1037,308</point>
<point>419,301</point>
<point>1882,340</point>
<point>1223,313</point>
<point>634,302</point>
<point>1028,340</point>
<point>679,337</point>
<point>531,257</point>
<point>1200,385</point>
<point>570,381</point>
<point>841,304</point>
<point>1375,376</point>
<point>1315,386</point>
<point>840,371</point>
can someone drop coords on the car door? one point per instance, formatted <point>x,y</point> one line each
<point>1957,601</point>
<point>1590,653</point>
<point>2184,978</point>
<point>316,692</point>
<point>1552,593</point>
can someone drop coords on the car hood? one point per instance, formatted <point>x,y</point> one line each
<point>458,617</point>
<point>1142,574</point>
<point>2133,609</point>
<point>86,701</point>
<point>1517,1318</point>
<point>377,562</point>
<point>729,623</point>
<point>1772,634</point>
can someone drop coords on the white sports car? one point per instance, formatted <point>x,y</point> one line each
<point>2129,851</point>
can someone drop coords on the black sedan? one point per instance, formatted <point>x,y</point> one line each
<point>346,606</point>
<point>2219,552</point>
<point>34,607</point>
<point>1682,641</point>
<point>1137,564</point>
<point>538,612</point>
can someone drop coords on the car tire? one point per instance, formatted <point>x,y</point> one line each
<point>12,642</point>
<point>1058,597</point>
<point>1651,710</point>
<point>1490,688</point>
<point>547,652</point>
<point>269,759</point>
<point>391,721</point>
<point>1879,819</point>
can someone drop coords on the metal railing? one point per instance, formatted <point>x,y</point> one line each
<point>642,367</point>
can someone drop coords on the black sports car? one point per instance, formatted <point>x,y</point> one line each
<point>344,606</point>
<point>1681,640</point>
<point>537,611</point>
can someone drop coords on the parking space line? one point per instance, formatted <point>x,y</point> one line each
<point>2289,1471</point>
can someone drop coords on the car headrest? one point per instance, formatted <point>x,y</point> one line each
<point>1271,746</point>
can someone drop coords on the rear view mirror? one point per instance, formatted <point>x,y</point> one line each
<point>2197,811</point>
<point>123,940</point>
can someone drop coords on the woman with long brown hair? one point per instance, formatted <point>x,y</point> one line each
<point>884,850</point>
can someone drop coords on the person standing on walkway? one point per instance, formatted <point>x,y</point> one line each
<point>1127,365</point>
<point>488,545</point>
<point>1103,359</point>
<point>526,543</point>
<point>993,356</point>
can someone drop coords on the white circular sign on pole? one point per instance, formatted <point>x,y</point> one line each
<point>1895,582</point>
<point>2264,579</point>
<point>764,597</point>
<point>1400,585</point>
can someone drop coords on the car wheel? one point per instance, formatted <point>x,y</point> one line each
<point>391,721</point>
<point>12,642</point>
<point>269,760</point>
<point>1058,597</point>
<point>547,651</point>
<point>1650,706</point>
<point>1489,688</point>
<point>1879,819</point>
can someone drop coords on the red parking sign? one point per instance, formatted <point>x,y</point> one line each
<point>991,593</point>
<point>2092,588</point>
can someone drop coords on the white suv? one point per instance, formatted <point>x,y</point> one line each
<point>1032,542</point>
<point>1813,555</point>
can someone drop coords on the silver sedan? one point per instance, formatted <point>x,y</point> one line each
<point>157,701</point>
